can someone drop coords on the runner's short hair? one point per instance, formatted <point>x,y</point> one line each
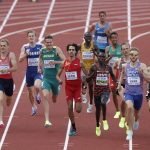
<point>74,45</point>
<point>113,33</point>
<point>102,12</point>
<point>31,31</point>
<point>5,40</point>
<point>48,37</point>
<point>134,49</point>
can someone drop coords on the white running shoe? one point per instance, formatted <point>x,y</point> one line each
<point>89,109</point>
<point>84,99</point>
<point>136,125</point>
<point>129,135</point>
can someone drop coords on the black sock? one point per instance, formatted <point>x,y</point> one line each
<point>73,126</point>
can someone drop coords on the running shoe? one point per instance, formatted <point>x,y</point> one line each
<point>47,124</point>
<point>1,124</point>
<point>122,122</point>
<point>105,125</point>
<point>38,99</point>
<point>136,125</point>
<point>117,115</point>
<point>98,131</point>
<point>84,99</point>
<point>72,132</point>
<point>129,135</point>
<point>89,109</point>
<point>34,111</point>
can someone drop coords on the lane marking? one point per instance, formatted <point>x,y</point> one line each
<point>8,15</point>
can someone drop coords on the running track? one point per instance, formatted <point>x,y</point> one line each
<point>27,132</point>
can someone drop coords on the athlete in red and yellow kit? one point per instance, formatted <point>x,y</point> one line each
<point>72,67</point>
<point>8,65</point>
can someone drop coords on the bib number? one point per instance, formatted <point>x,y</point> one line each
<point>71,75</point>
<point>102,81</point>
<point>101,39</point>
<point>48,65</point>
<point>32,61</point>
<point>134,80</point>
<point>3,68</point>
<point>87,55</point>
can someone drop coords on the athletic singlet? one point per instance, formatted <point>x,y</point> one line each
<point>33,56</point>
<point>5,64</point>
<point>87,56</point>
<point>134,80</point>
<point>50,70</point>
<point>116,54</point>
<point>100,37</point>
<point>72,72</point>
<point>101,80</point>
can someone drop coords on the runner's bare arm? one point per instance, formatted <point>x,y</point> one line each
<point>91,27</point>
<point>60,72</point>
<point>60,54</point>
<point>144,71</point>
<point>23,54</point>
<point>122,74</point>
<point>40,62</point>
<point>13,62</point>
<point>91,73</point>
<point>112,74</point>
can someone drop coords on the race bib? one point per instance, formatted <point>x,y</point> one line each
<point>87,55</point>
<point>71,75</point>
<point>4,67</point>
<point>33,61</point>
<point>113,60</point>
<point>48,65</point>
<point>134,80</point>
<point>102,81</point>
<point>101,39</point>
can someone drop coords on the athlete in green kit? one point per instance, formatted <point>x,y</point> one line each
<point>113,53</point>
<point>50,58</point>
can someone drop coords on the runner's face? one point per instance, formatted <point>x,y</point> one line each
<point>31,37</point>
<point>88,38</point>
<point>114,39</point>
<point>125,49</point>
<point>134,55</point>
<point>102,17</point>
<point>3,47</point>
<point>49,43</point>
<point>71,51</point>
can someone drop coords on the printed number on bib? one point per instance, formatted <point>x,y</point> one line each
<point>133,80</point>
<point>48,65</point>
<point>71,75</point>
<point>113,60</point>
<point>101,39</point>
<point>87,55</point>
<point>32,61</point>
<point>102,81</point>
<point>2,68</point>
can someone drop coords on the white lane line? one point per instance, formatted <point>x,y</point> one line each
<point>22,86</point>
<point>86,28</point>
<point>8,15</point>
<point>47,19</point>
<point>140,35</point>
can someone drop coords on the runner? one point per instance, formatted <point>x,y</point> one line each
<point>50,57</point>
<point>134,72</point>
<point>113,53</point>
<point>72,66</point>
<point>117,67</point>
<point>8,64</point>
<point>100,72</point>
<point>102,30</point>
<point>30,52</point>
<point>87,57</point>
